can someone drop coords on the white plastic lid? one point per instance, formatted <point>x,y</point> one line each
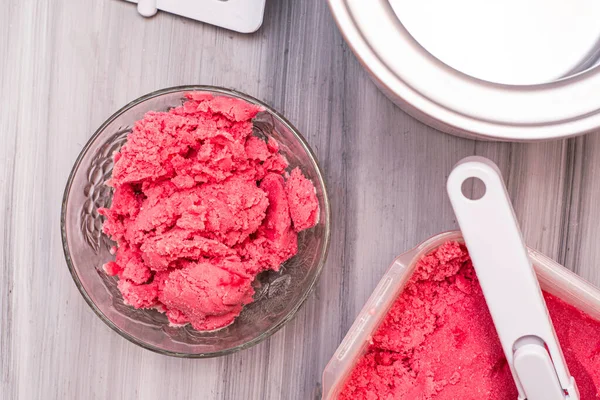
<point>243,16</point>
<point>511,69</point>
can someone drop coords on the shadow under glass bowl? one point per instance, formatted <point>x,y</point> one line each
<point>279,295</point>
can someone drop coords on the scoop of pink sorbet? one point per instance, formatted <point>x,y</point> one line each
<point>200,207</point>
<point>301,193</point>
<point>438,341</point>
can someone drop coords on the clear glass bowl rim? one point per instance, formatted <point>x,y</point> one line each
<point>326,205</point>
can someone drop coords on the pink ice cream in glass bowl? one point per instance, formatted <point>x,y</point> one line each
<point>195,221</point>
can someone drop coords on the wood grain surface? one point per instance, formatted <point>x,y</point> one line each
<point>65,66</point>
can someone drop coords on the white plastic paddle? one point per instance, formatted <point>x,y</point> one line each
<point>510,286</point>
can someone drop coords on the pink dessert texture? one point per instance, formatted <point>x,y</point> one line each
<point>438,341</point>
<point>200,207</point>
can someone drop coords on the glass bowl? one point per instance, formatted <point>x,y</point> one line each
<point>279,295</point>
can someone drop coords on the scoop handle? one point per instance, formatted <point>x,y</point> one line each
<point>508,281</point>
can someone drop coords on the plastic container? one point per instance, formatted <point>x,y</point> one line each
<point>554,279</point>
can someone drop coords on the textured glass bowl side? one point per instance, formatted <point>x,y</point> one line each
<point>278,296</point>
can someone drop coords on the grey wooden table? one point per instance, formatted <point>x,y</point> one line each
<point>67,65</point>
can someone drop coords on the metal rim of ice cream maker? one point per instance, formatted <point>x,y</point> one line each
<point>326,205</point>
<point>564,103</point>
<point>553,278</point>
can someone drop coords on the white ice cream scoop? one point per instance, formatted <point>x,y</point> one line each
<point>510,286</point>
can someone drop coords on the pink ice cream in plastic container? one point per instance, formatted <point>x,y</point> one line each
<point>569,299</point>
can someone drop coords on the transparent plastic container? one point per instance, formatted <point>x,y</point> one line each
<point>554,279</point>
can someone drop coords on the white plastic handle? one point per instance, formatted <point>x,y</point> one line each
<point>509,283</point>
